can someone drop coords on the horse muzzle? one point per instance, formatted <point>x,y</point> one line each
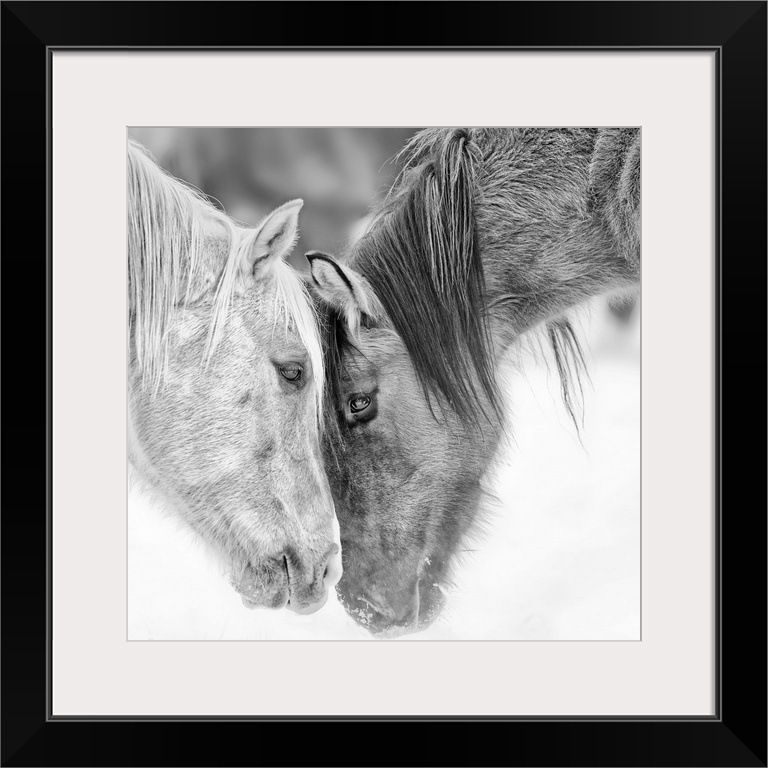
<point>289,581</point>
<point>413,610</point>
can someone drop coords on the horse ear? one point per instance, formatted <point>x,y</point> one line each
<point>342,288</point>
<point>274,238</point>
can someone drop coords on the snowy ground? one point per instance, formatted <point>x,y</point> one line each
<point>559,558</point>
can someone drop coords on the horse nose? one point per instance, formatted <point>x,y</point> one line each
<point>386,614</point>
<point>384,620</point>
<point>309,597</point>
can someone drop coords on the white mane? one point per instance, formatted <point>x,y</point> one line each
<point>168,222</point>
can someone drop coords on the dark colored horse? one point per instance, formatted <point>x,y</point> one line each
<point>486,235</point>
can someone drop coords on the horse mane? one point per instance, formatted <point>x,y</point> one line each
<point>170,228</point>
<point>570,364</point>
<point>420,253</point>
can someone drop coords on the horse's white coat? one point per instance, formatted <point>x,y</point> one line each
<point>216,319</point>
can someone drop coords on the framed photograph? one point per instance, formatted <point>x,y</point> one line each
<point>384,382</point>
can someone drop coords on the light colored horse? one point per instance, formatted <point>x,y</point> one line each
<point>486,235</point>
<point>225,387</point>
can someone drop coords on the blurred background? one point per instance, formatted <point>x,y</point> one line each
<point>338,172</point>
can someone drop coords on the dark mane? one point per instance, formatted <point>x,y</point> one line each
<point>335,341</point>
<point>570,364</point>
<point>421,254</point>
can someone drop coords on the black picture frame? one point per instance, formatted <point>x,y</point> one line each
<point>736,735</point>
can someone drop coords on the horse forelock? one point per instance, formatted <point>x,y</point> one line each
<point>170,226</point>
<point>335,344</point>
<point>421,257</point>
<point>298,308</point>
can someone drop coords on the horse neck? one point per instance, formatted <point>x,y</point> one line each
<point>546,253</point>
<point>140,466</point>
<point>579,269</point>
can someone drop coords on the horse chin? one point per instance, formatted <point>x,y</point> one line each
<point>387,622</point>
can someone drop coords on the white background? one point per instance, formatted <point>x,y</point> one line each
<point>671,671</point>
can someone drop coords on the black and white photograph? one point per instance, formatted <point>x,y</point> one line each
<point>384,383</point>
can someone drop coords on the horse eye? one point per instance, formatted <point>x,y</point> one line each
<point>290,372</point>
<point>359,403</point>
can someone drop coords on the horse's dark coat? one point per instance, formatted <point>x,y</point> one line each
<point>486,234</point>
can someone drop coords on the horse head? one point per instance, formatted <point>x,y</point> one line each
<point>485,236</point>
<point>225,381</point>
